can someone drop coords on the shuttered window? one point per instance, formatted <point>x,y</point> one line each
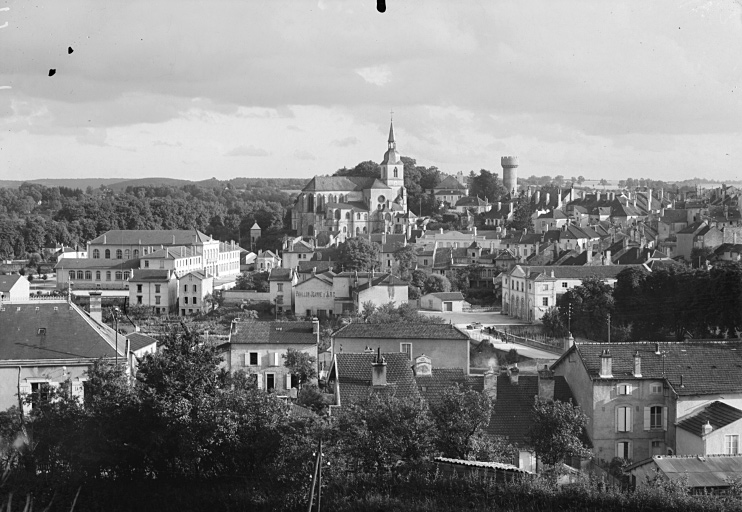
<point>623,419</point>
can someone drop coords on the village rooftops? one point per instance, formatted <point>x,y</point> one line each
<point>52,330</point>
<point>450,182</point>
<point>353,374</point>
<point>253,332</point>
<point>149,237</point>
<point>138,341</point>
<point>280,274</point>
<point>574,272</point>
<point>401,330</point>
<point>691,367</point>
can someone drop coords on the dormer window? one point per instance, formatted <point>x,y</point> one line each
<point>41,331</point>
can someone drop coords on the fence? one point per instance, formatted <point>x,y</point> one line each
<point>553,345</point>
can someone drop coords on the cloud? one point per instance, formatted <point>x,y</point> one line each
<point>167,144</point>
<point>304,155</point>
<point>94,137</point>
<point>377,75</point>
<point>247,151</point>
<point>344,143</point>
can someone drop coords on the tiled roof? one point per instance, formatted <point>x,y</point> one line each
<point>338,183</point>
<point>674,216</point>
<point>197,274</point>
<point>382,280</point>
<point>138,341</point>
<point>498,466</point>
<point>697,471</point>
<point>431,387</point>
<point>578,272</point>
<point>446,295</point>
<point>471,201</point>
<point>553,214</point>
<point>449,182</point>
<point>691,228</point>
<point>280,274</point>
<point>305,267</point>
<point>91,264</point>
<point>8,282</point>
<point>718,414</point>
<point>69,333</point>
<point>151,237</point>
<point>150,274</point>
<point>250,332</point>
<point>377,184</point>
<point>354,376</point>
<point>301,247</point>
<point>170,253</point>
<point>401,331</point>
<point>706,366</point>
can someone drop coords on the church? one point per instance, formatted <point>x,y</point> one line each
<point>348,206</point>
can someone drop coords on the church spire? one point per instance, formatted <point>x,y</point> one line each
<point>392,144</point>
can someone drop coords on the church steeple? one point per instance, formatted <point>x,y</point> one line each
<point>392,144</point>
<point>392,169</point>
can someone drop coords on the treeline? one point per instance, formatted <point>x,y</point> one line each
<point>673,303</point>
<point>34,216</point>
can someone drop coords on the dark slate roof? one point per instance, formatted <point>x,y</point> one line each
<point>511,412</point>
<point>471,201</point>
<point>338,183</point>
<point>578,272</point>
<point>691,228</point>
<point>431,387</point>
<point>150,274</point>
<point>138,340</point>
<point>401,331</point>
<point>554,214</point>
<point>305,267</point>
<point>273,332</point>
<point>96,264</point>
<point>382,280</point>
<point>674,216</point>
<point>8,282</point>
<point>697,471</point>
<point>706,366</point>
<point>354,376</point>
<point>170,253</point>
<point>151,237</point>
<point>447,295</point>
<point>449,182</point>
<point>717,413</point>
<point>280,274</point>
<point>70,333</point>
<point>301,247</point>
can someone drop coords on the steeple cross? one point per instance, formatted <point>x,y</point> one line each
<point>391,114</point>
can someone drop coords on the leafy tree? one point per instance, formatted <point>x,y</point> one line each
<point>253,281</point>
<point>406,258</point>
<point>358,254</point>
<point>389,313</point>
<point>603,182</point>
<point>580,180</point>
<point>460,416</point>
<point>512,356</point>
<point>435,283</point>
<point>556,431</point>
<point>523,215</point>
<point>486,184</point>
<point>383,429</point>
<point>700,255</point>
<point>367,169</point>
<point>554,325</point>
<point>460,280</point>
<point>301,365</point>
<point>591,302</point>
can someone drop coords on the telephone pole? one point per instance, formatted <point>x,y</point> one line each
<point>609,327</point>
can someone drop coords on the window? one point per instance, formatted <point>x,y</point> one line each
<point>39,393</point>
<point>655,416</point>
<point>139,288</point>
<point>119,276</point>
<point>251,359</point>
<point>108,254</point>
<point>72,274</point>
<point>139,299</point>
<point>195,288</point>
<point>731,444</point>
<point>146,263</point>
<point>623,389</point>
<point>157,299</point>
<point>96,254</point>
<point>136,253</point>
<point>546,301</point>
<point>157,288</point>
<point>185,300</point>
<point>185,287</point>
<point>194,301</point>
<point>623,450</point>
<point>119,254</point>
<point>395,172</point>
<point>623,418</point>
<point>127,254</point>
<point>655,388</point>
<point>564,284</point>
<point>108,275</point>
<point>97,275</point>
<point>406,348</point>
<point>80,274</point>
<point>41,331</point>
<point>270,381</point>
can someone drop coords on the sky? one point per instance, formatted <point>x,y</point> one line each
<point>248,88</point>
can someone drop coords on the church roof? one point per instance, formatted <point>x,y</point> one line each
<point>379,184</point>
<point>338,183</point>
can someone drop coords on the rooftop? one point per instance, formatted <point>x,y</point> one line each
<point>354,376</point>
<point>255,332</point>
<point>151,237</point>
<point>401,331</point>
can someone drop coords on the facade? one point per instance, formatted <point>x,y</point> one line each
<point>698,236</point>
<point>315,296</point>
<point>443,301</point>
<point>528,292</point>
<point>259,348</point>
<point>444,344</point>
<point>354,206</point>
<point>642,398</point>
<point>295,252</point>
<point>266,261</point>
<point>711,430</point>
<point>180,260</point>
<point>450,191</point>
<point>281,282</point>
<point>14,287</point>
<point>192,290</point>
<point>156,289</point>
<point>27,331</point>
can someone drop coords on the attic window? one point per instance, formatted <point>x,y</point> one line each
<point>56,308</point>
<point>41,331</point>
<point>19,308</point>
<point>37,308</point>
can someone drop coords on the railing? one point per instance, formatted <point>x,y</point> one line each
<point>553,345</point>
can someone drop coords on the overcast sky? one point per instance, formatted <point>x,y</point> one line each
<point>249,88</point>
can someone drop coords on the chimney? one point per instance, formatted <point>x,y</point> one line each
<point>104,239</point>
<point>569,342</point>
<point>657,349</point>
<point>589,254</point>
<point>423,366</point>
<point>173,239</point>
<point>608,260</point>
<point>547,198</point>
<point>315,326</point>
<point>513,374</point>
<point>378,370</point>
<point>441,231</point>
<point>490,383</point>
<point>511,206</point>
<point>538,196</point>
<point>475,231</point>
<point>499,206</point>
<point>96,312</point>
<point>707,428</point>
<point>606,364</point>
<point>637,364</point>
<point>546,383</point>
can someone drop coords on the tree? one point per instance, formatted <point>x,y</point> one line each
<point>557,430</point>
<point>580,180</point>
<point>486,184</point>
<point>523,215</point>
<point>553,323</point>
<point>389,313</point>
<point>406,258</point>
<point>358,254</point>
<point>591,302</point>
<point>367,169</point>
<point>603,182</point>
<point>460,416</point>
<point>460,280</point>
<point>301,365</point>
<point>435,283</point>
<point>253,281</point>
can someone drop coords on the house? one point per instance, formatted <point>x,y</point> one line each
<point>281,282</point>
<point>92,274</point>
<point>449,191</point>
<point>475,204</point>
<point>443,301</point>
<point>651,398</point>
<point>388,245</point>
<point>698,236</point>
<point>553,219</point>
<point>14,287</point>
<point>139,346</point>
<point>180,260</point>
<point>529,291</point>
<point>296,251</point>
<point>444,344</point>
<point>154,288</point>
<point>353,377</point>
<point>315,296</point>
<point>700,474</point>
<point>499,214</point>
<point>266,260</point>
<point>44,343</point>
<point>193,288</point>
<point>259,348</point>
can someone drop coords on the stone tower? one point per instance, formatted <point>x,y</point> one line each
<point>392,169</point>
<point>510,174</point>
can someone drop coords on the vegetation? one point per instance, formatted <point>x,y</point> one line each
<point>557,430</point>
<point>358,254</point>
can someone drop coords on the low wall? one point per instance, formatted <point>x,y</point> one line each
<point>556,348</point>
<point>237,296</point>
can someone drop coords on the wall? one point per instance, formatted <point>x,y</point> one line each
<point>314,295</point>
<point>443,353</point>
<point>237,296</point>
<point>237,361</point>
<point>687,443</point>
<point>573,371</point>
<point>381,295</point>
<point>55,374</point>
<point>20,290</point>
<point>715,442</point>
<point>688,404</point>
<point>203,288</point>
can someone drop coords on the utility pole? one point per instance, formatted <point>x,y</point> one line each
<point>569,318</point>
<point>115,311</point>
<point>609,327</point>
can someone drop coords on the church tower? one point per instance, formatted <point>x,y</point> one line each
<point>392,170</point>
